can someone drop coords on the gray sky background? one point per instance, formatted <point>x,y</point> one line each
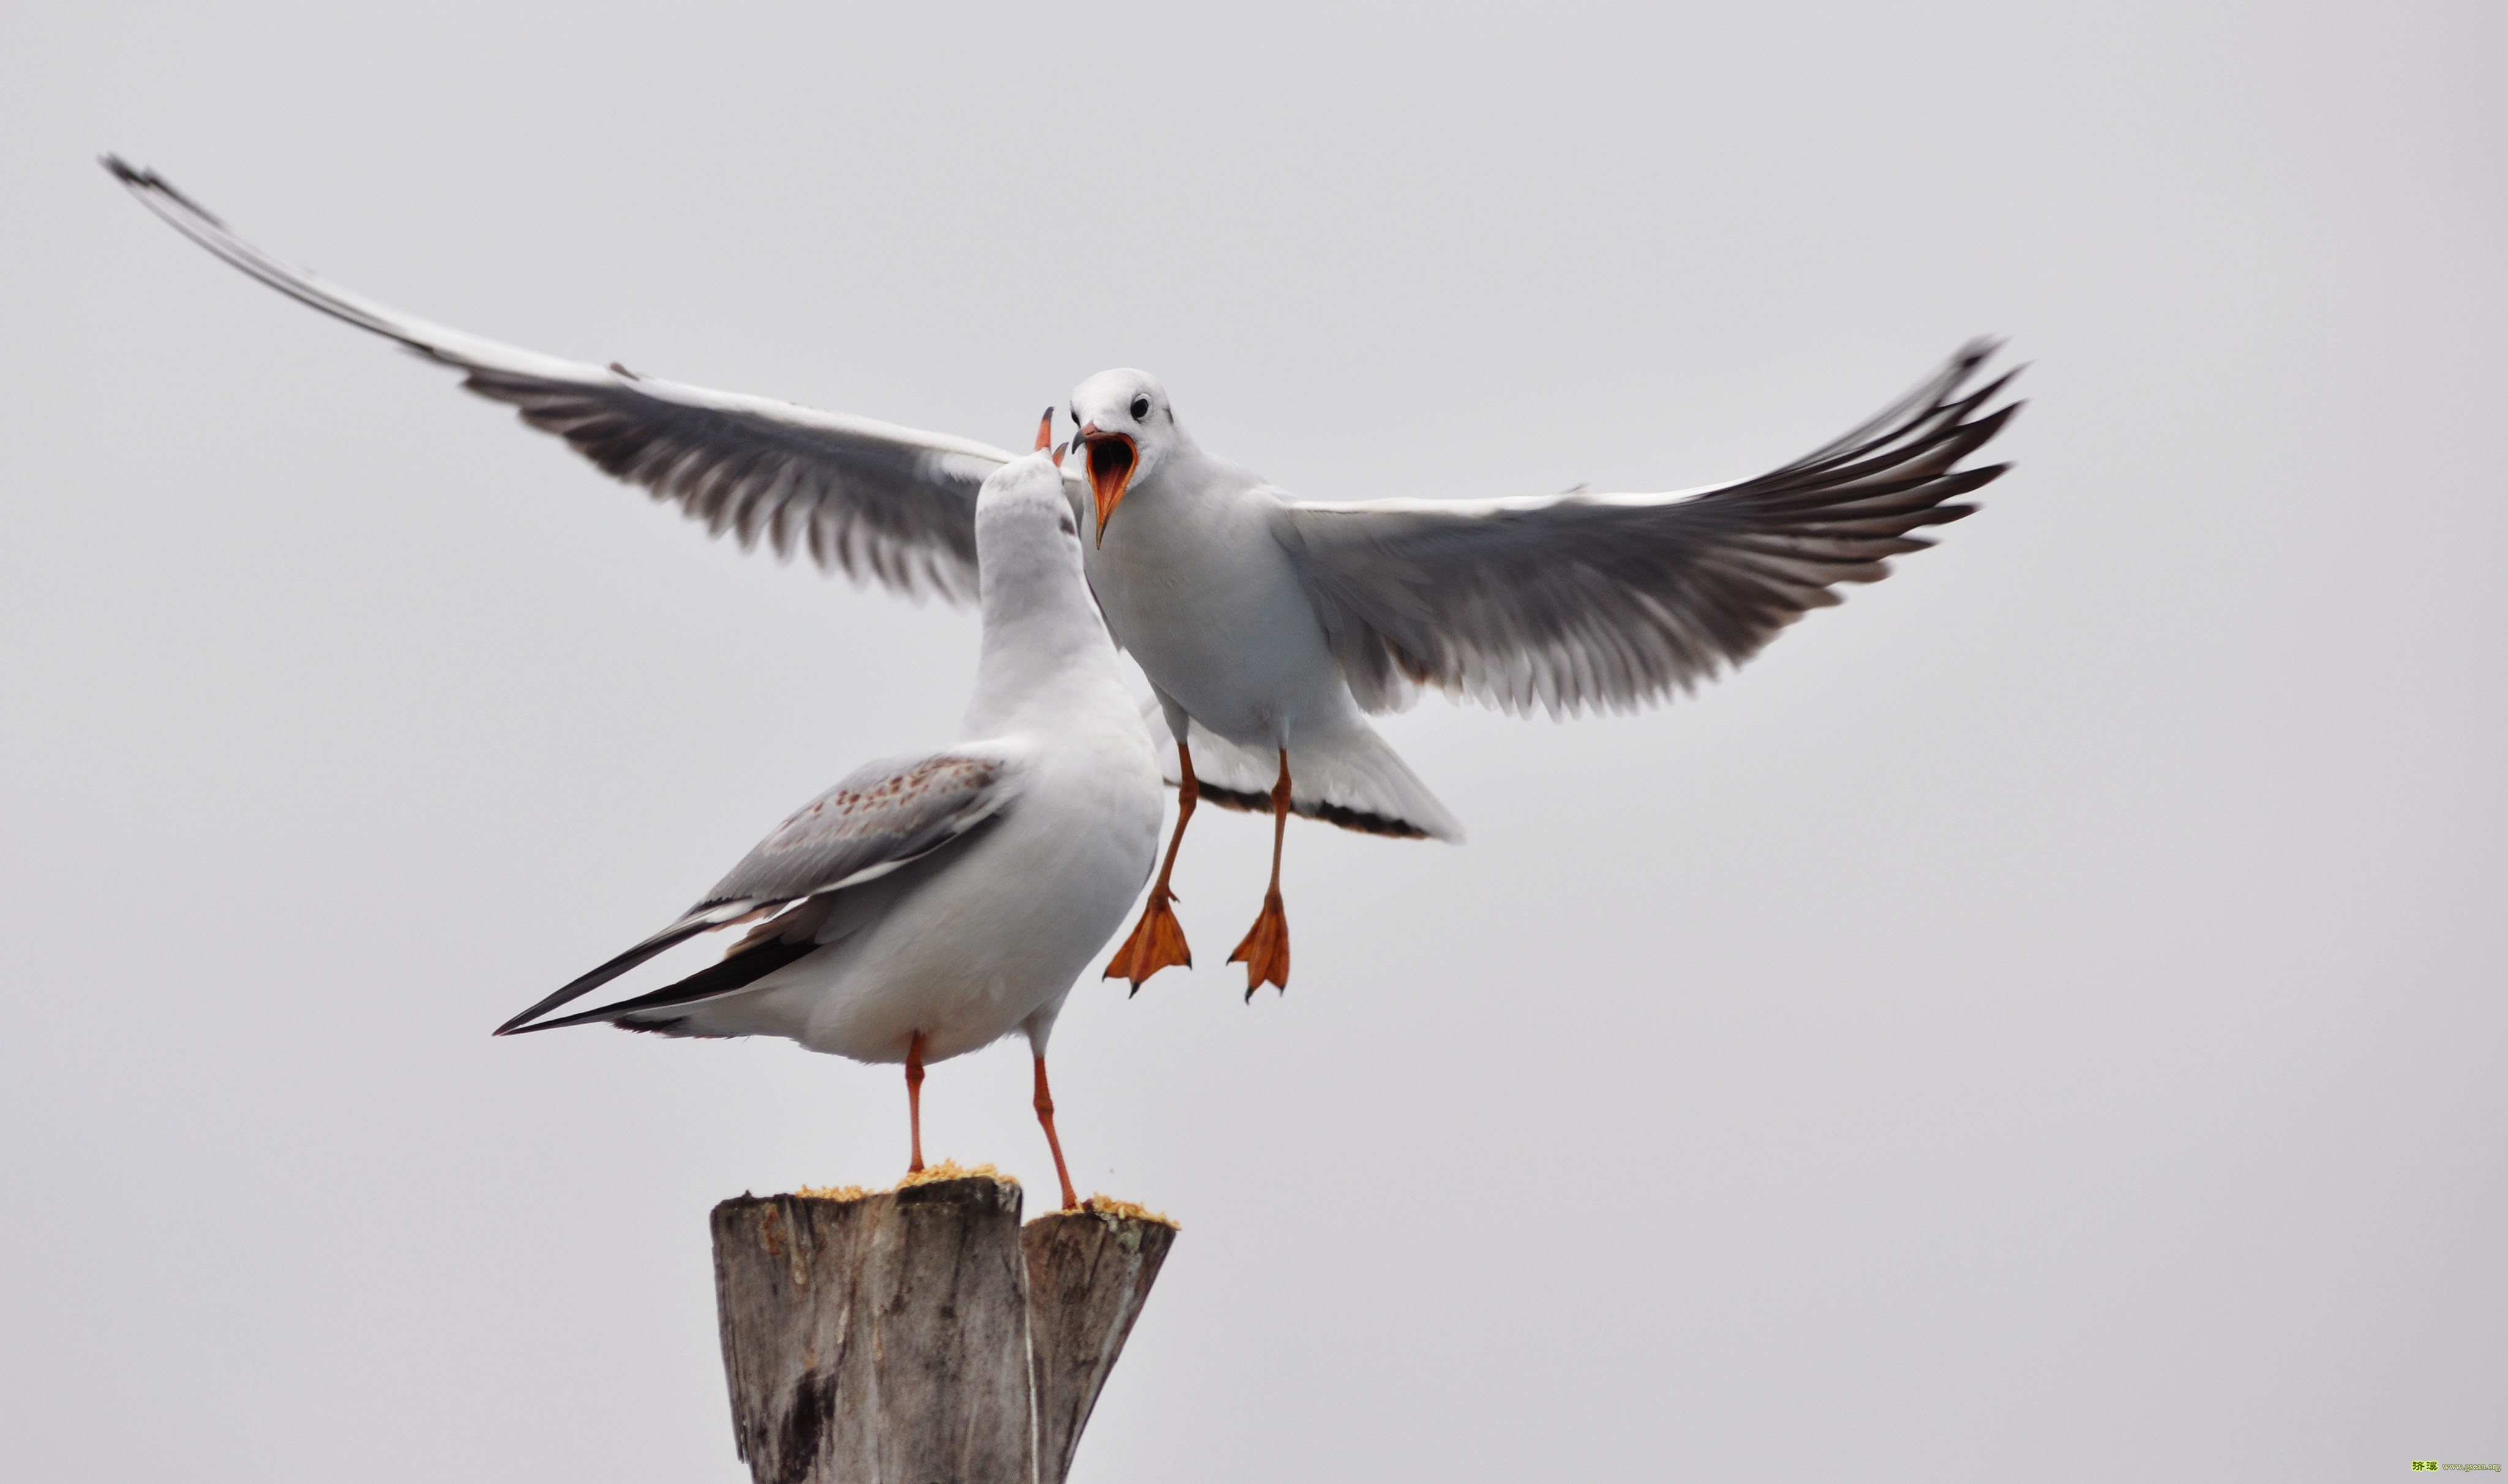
<point>2042,1019</point>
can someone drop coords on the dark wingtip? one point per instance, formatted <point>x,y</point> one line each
<point>525,1030</point>
<point>516,1027</point>
<point>519,1025</point>
<point>139,179</point>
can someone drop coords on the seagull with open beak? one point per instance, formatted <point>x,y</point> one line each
<point>1186,562</point>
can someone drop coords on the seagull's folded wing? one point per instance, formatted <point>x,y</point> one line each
<point>1613,601</point>
<point>866,497</point>
<point>883,816</point>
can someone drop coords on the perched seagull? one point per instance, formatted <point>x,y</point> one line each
<point>1267,626</point>
<point>927,907</point>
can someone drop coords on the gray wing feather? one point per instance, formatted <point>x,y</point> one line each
<point>883,816</point>
<point>865,497</point>
<point>1616,601</point>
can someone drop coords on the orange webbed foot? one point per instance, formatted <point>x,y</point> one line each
<point>1156,943</point>
<point>1264,953</point>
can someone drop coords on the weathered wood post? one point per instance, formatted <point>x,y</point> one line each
<point>1088,1276</point>
<point>920,1334</point>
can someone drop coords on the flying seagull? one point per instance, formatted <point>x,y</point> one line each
<point>927,907</point>
<point>1269,627</point>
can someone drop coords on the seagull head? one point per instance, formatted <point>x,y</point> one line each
<point>1126,429</point>
<point>1023,502</point>
<point>1025,533</point>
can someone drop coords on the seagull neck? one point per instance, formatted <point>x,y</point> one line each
<point>1043,642</point>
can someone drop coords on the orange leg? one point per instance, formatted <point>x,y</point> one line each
<point>1157,940</point>
<point>914,1099</point>
<point>1044,1116</point>
<point>1264,953</point>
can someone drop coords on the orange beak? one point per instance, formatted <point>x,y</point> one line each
<point>1111,458</point>
<point>1044,432</point>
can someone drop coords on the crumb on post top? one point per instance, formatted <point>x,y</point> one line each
<point>1099,1204</point>
<point>1107,1206</point>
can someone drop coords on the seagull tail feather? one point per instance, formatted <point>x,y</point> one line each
<point>1358,782</point>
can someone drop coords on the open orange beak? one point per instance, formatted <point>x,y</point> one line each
<point>1111,458</point>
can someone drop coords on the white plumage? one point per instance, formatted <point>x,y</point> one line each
<point>1267,626</point>
<point>927,907</point>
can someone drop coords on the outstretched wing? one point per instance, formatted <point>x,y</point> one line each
<point>883,816</point>
<point>1614,601</point>
<point>866,497</point>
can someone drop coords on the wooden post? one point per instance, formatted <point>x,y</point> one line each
<point>918,1334</point>
<point>1088,1276</point>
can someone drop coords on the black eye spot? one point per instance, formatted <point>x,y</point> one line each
<point>1068,529</point>
<point>1140,409</point>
